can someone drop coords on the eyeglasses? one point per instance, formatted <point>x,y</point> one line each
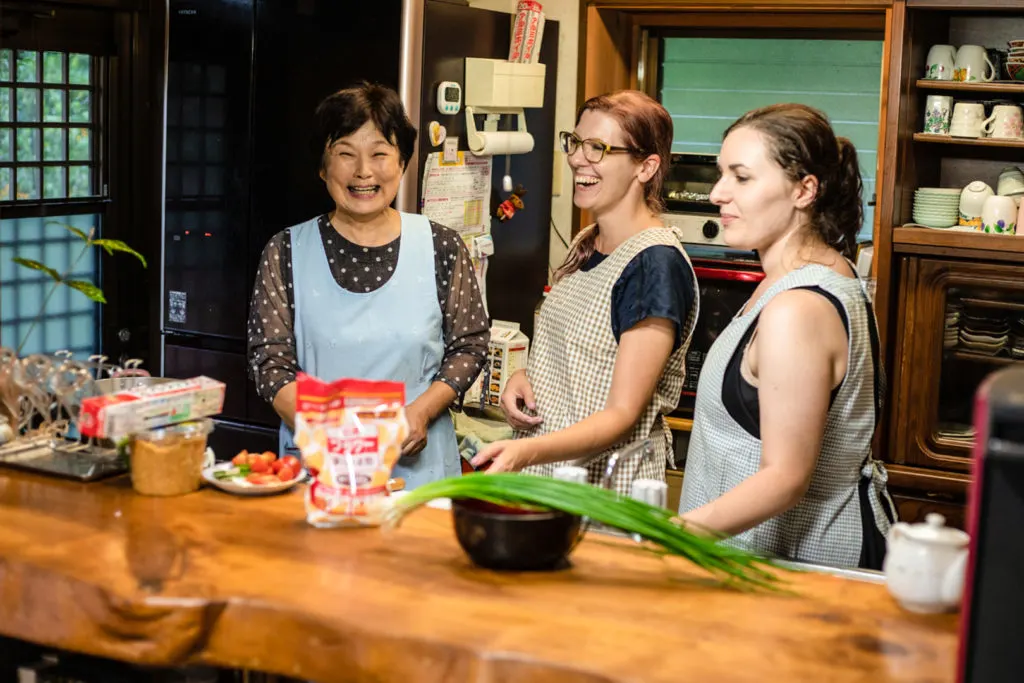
<point>593,149</point>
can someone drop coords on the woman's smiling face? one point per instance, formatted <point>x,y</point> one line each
<point>362,172</point>
<point>598,186</point>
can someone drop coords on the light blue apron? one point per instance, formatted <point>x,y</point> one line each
<point>391,333</point>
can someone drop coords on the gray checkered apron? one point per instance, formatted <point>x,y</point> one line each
<point>573,356</point>
<point>825,526</point>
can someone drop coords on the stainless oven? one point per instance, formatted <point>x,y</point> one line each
<point>726,277</point>
<point>686,194</point>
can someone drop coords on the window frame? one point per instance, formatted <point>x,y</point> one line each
<point>129,36</point>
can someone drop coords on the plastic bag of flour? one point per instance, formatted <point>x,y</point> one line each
<point>350,433</point>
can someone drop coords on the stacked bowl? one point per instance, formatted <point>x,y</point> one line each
<point>1015,60</point>
<point>936,207</point>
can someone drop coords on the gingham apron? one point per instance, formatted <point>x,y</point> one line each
<point>573,356</point>
<point>825,526</point>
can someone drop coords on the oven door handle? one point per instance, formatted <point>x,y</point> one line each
<point>728,275</point>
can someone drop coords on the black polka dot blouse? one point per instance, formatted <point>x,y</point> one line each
<point>272,356</point>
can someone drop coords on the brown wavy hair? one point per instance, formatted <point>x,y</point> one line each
<point>801,141</point>
<point>647,126</point>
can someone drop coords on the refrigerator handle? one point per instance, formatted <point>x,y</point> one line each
<point>410,70</point>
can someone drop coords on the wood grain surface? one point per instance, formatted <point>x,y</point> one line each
<point>245,583</point>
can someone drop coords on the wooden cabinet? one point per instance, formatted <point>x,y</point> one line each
<point>960,321</point>
<point>955,299</point>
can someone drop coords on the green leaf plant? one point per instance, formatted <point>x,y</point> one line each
<point>90,290</point>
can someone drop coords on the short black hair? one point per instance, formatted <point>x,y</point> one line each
<point>346,111</point>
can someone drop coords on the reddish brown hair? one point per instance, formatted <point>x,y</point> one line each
<point>647,127</point>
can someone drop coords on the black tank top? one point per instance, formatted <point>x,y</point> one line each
<point>740,397</point>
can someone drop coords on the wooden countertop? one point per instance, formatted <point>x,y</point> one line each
<point>245,583</point>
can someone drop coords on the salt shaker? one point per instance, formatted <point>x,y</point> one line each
<point>571,473</point>
<point>650,491</point>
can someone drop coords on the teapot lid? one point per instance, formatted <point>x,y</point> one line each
<point>934,530</point>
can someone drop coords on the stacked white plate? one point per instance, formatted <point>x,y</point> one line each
<point>936,207</point>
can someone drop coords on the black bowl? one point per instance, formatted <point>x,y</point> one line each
<point>513,539</point>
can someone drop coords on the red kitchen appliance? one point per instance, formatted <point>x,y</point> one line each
<point>725,286</point>
<point>990,642</point>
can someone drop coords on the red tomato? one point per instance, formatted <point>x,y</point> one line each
<point>268,457</point>
<point>261,479</point>
<point>258,466</point>
<point>277,465</point>
<point>292,462</point>
<point>241,459</point>
<point>286,473</point>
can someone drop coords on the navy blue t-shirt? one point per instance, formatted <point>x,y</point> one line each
<point>657,283</point>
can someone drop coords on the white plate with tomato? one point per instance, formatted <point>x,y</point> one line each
<point>256,474</point>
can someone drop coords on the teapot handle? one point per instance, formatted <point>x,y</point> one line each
<point>896,531</point>
<point>953,581</point>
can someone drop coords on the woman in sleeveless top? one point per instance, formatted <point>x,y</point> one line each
<point>790,393</point>
<point>350,293</point>
<point>606,362</point>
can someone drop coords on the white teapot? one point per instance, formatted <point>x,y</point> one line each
<point>925,565</point>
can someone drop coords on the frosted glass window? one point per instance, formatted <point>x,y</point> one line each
<point>71,320</point>
<point>707,83</point>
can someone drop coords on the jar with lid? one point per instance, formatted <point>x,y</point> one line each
<point>169,461</point>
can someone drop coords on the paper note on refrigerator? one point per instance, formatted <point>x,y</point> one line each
<point>457,194</point>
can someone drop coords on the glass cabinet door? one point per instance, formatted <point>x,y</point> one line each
<point>962,322</point>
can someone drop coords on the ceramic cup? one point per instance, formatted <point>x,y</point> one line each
<point>967,121</point>
<point>972,64</point>
<point>938,110</point>
<point>1007,121</point>
<point>972,201</point>
<point>999,216</point>
<point>1011,181</point>
<point>939,65</point>
<point>1020,218</point>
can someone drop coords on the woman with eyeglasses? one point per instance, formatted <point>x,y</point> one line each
<point>606,363</point>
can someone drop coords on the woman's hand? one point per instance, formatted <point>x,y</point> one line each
<point>505,456</point>
<point>518,393</point>
<point>423,411</point>
<point>418,423</point>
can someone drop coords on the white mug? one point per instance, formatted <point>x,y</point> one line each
<point>972,63</point>
<point>938,110</point>
<point>1006,121</point>
<point>1011,182</point>
<point>999,216</point>
<point>939,65</point>
<point>972,201</point>
<point>967,121</point>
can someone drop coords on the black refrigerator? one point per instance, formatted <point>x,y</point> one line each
<point>243,79</point>
<point>518,270</point>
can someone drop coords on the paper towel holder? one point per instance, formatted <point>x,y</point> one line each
<point>496,87</point>
<point>477,142</point>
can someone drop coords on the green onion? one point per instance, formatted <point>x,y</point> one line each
<point>735,567</point>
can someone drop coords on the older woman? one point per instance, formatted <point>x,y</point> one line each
<point>347,293</point>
